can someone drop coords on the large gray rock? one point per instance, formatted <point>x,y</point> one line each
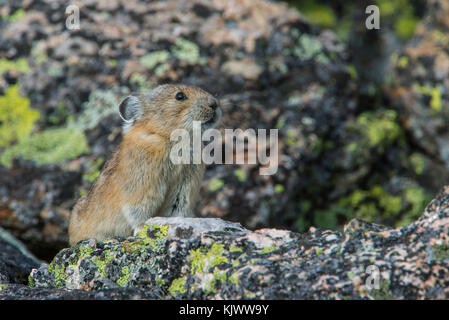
<point>214,259</point>
<point>16,262</point>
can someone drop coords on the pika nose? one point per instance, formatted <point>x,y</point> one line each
<point>213,103</point>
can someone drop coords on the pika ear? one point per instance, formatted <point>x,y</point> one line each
<point>130,108</point>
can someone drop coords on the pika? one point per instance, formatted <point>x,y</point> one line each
<point>140,181</point>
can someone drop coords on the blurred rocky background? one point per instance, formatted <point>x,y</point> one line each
<point>361,113</point>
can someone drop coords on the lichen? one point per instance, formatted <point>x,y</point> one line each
<point>177,286</point>
<point>59,274</point>
<point>417,163</point>
<point>378,128</point>
<point>49,146</point>
<point>16,117</point>
<point>279,188</point>
<point>154,58</point>
<point>151,236</point>
<point>375,205</point>
<point>240,174</point>
<point>19,65</point>
<point>123,280</point>
<point>218,276</point>
<point>101,104</point>
<point>268,249</point>
<point>187,51</point>
<point>202,259</point>
<point>441,252</point>
<point>215,184</point>
<point>433,92</point>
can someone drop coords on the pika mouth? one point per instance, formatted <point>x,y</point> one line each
<point>216,117</point>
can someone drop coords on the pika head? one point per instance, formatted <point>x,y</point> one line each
<point>169,107</point>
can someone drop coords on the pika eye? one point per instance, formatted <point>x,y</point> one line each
<point>180,96</point>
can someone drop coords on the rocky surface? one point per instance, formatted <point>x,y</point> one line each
<point>200,258</point>
<point>16,261</point>
<point>340,155</point>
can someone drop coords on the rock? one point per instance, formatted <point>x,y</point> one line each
<point>16,262</point>
<point>340,156</point>
<point>420,91</point>
<point>213,259</point>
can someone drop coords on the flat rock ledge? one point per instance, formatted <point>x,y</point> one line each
<point>201,258</point>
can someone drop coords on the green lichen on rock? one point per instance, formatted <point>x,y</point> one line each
<point>19,65</point>
<point>177,286</point>
<point>154,58</point>
<point>417,163</point>
<point>441,251</point>
<point>187,51</point>
<point>240,174</point>
<point>434,93</point>
<point>49,146</point>
<point>215,184</point>
<point>378,129</point>
<point>375,205</point>
<point>151,236</point>
<point>123,280</point>
<point>16,117</point>
<point>58,271</point>
<point>202,259</point>
<point>101,104</point>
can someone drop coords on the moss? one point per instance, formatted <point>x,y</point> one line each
<point>16,117</point>
<point>123,280</point>
<point>154,58</point>
<point>319,251</point>
<point>240,174</point>
<point>3,286</point>
<point>202,259</point>
<point>49,146</point>
<point>19,65</point>
<point>215,184</point>
<point>177,286</point>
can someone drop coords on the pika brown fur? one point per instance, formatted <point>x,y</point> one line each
<point>140,181</point>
